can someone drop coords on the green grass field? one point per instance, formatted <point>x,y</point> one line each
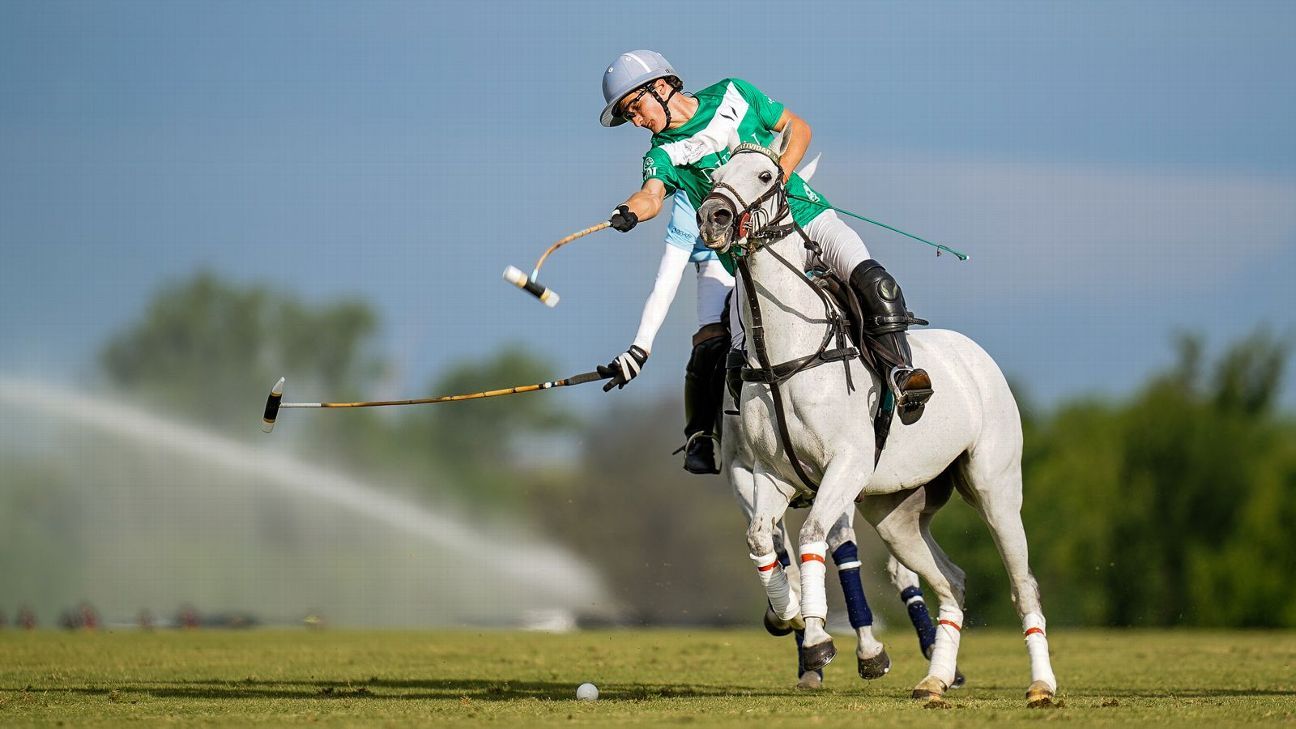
<point>645,676</point>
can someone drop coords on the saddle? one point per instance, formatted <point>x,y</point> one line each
<point>848,305</point>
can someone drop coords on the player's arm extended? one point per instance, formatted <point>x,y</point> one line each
<point>647,202</point>
<point>673,262</point>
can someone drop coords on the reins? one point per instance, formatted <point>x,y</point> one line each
<point>939,247</point>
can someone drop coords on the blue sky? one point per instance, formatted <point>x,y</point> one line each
<point>1118,171</point>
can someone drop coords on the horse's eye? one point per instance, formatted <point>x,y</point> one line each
<point>766,176</point>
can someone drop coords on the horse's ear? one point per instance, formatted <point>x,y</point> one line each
<point>780,142</point>
<point>808,170</point>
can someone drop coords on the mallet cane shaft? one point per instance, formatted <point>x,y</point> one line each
<point>530,284</point>
<point>274,403</point>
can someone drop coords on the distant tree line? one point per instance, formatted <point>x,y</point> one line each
<point>1173,506</point>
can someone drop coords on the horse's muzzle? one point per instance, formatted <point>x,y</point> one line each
<point>716,223</point>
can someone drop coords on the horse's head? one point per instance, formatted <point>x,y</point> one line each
<point>746,197</point>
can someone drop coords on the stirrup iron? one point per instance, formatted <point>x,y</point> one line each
<point>694,437</point>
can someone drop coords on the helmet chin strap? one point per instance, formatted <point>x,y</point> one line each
<point>653,90</point>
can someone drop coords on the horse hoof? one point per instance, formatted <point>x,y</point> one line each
<point>774,626</point>
<point>811,680</point>
<point>929,689</point>
<point>1039,695</point>
<point>815,657</point>
<point>777,627</point>
<point>875,667</point>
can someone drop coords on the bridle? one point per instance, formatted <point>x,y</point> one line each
<point>759,238</point>
<point>742,222</point>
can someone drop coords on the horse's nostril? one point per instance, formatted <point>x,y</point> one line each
<point>722,217</point>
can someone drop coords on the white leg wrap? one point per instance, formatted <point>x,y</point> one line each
<point>814,598</point>
<point>1037,649</point>
<point>945,654</point>
<point>777,588</point>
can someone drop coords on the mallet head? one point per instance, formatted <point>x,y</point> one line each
<point>272,406</point>
<point>514,276</point>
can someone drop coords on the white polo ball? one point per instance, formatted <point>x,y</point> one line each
<point>587,692</point>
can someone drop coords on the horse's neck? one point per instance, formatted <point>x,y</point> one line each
<point>791,312</point>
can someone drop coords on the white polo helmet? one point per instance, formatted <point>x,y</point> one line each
<point>628,72</point>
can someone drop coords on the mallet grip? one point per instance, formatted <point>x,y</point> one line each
<point>583,378</point>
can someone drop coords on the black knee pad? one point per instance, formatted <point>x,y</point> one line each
<point>881,299</point>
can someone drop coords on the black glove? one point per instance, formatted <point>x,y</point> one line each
<point>624,368</point>
<point>623,219</point>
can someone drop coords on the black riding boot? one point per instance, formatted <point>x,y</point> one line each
<point>703,396</point>
<point>885,322</point>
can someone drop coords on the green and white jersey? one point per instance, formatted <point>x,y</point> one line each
<point>684,157</point>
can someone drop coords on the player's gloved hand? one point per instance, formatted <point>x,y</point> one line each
<point>623,219</point>
<point>624,368</point>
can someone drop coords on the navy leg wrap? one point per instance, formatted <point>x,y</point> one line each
<point>784,559</point>
<point>920,618</point>
<point>857,606</point>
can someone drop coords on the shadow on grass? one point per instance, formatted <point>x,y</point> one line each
<point>1070,691</point>
<point>384,689</point>
<point>1187,693</point>
<point>459,689</point>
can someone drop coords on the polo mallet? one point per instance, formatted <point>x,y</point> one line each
<point>530,284</point>
<point>275,401</point>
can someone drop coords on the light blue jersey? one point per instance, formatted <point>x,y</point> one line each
<point>682,230</point>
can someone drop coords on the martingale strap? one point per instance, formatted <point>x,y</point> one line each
<point>756,333</point>
<point>774,375</point>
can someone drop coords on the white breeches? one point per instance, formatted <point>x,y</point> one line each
<point>843,248</point>
<point>714,284</point>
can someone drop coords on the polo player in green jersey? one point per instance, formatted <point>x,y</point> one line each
<point>691,134</point>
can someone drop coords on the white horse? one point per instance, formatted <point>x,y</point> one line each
<point>969,438</point>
